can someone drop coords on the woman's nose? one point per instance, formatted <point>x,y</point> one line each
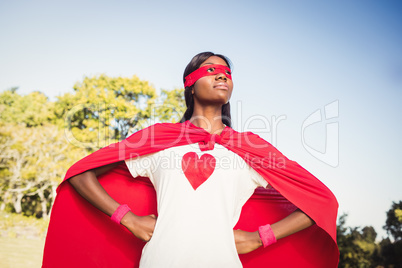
<point>221,76</point>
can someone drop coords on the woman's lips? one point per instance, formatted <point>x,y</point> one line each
<point>222,85</point>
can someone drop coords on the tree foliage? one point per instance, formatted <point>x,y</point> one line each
<point>35,162</point>
<point>357,246</point>
<point>392,251</point>
<point>30,110</point>
<point>393,225</point>
<point>103,109</point>
<point>172,106</point>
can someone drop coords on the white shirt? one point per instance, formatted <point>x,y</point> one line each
<point>195,224</point>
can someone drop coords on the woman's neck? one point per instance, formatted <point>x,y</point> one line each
<point>208,118</point>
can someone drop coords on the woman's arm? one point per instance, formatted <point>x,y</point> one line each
<point>295,222</point>
<point>88,186</point>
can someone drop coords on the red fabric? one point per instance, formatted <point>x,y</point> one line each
<point>81,236</point>
<point>203,71</point>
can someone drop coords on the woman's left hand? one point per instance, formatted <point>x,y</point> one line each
<point>246,241</point>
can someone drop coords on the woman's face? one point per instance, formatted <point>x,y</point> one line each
<point>213,89</point>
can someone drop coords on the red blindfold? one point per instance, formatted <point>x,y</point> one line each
<point>207,70</point>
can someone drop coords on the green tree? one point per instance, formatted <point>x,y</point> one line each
<point>172,105</point>
<point>104,109</point>
<point>398,214</point>
<point>34,162</point>
<point>392,251</point>
<point>5,142</point>
<point>33,109</point>
<point>21,119</point>
<point>393,224</point>
<point>357,246</point>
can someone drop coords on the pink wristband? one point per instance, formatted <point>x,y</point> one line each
<point>267,235</point>
<point>119,213</point>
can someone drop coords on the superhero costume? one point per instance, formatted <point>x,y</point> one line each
<point>80,235</point>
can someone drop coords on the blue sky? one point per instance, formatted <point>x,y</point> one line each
<point>291,59</point>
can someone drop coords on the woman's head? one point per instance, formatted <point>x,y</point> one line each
<point>194,64</point>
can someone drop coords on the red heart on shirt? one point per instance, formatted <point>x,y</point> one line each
<point>197,170</point>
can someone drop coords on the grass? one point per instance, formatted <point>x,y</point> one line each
<point>21,241</point>
<point>19,226</point>
<point>21,252</point>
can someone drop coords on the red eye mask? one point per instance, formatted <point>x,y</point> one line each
<point>207,70</point>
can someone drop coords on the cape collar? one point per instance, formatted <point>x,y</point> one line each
<point>210,139</point>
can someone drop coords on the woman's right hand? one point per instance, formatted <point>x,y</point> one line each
<point>140,226</point>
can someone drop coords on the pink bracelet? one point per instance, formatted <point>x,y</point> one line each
<point>267,235</point>
<point>119,213</point>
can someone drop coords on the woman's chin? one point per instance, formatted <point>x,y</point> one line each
<point>208,102</point>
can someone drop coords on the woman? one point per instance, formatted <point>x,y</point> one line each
<point>199,201</point>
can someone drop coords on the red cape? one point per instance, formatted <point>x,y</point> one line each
<point>81,236</point>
